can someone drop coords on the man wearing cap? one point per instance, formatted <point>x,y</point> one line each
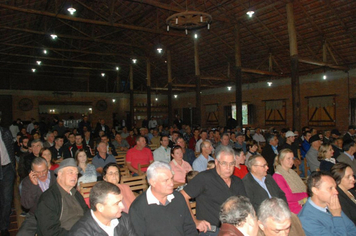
<point>61,206</point>
<point>289,143</point>
<point>312,154</point>
<point>335,133</point>
<point>350,133</point>
<point>37,182</point>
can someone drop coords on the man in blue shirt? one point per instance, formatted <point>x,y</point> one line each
<point>201,163</point>
<point>322,214</point>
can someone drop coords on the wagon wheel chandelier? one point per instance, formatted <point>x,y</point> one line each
<point>189,20</point>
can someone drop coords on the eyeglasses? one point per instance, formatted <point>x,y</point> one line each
<point>227,164</point>
<point>263,166</point>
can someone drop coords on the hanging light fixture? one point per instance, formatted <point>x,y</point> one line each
<point>250,12</point>
<point>269,83</point>
<point>33,70</point>
<point>102,74</point>
<point>54,36</point>
<point>229,88</point>
<point>175,95</point>
<point>38,62</point>
<point>117,68</point>
<point>134,60</point>
<point>159,49</point>
<point>45,51</point>
<point>113,100</point>
<point>189,20</point>
<point>71,10</point>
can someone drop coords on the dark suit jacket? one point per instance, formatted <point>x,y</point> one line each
<point>257,194</point>
<point>6,137</point>
<point>269,155</point>
<point>344,158</point>
<point>347,205</point>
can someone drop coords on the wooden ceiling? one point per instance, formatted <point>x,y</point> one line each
<point>103,34</point>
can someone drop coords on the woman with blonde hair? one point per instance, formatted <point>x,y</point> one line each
<point>325,154</point>
<point>289,181</point>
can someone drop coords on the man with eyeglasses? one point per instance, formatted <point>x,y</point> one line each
<point>211,188</point>
<point>258,184</point>
<point>61,206</point>
<point>38,181</point>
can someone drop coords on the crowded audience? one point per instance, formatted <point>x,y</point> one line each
<point>236,190</point>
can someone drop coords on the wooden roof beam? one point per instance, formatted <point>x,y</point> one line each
<point>88,21</point>
<point>320,63</point>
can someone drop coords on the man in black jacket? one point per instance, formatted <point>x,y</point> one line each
<point>106,210</point>
<point>61,206</point>
<point>7,177</point>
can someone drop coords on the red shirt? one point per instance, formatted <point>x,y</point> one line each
<point>136,157</point>
<point>241,172</point>
<point>131,141</point>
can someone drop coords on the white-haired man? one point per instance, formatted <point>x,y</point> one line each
<point>160,210</point>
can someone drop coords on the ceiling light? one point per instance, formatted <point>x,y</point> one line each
<point>54,36</point>
<point>45,51</point>
<point>188,20</point>
<point>90,109</point>
<point>195,36</point>
<point>324,77</point>
<point>229,88</point>
<point>102,74</point>
<point>250,13</point>
<point>71,10</point>
<point>134,61</point>
<point>113,100</point>
<point>175,95</point>
<point>159,49</point>
<point>38,62</point>
<point>156,99</point>
<point>117,68</point>
<point>269,84</point>
<point>33,70</point>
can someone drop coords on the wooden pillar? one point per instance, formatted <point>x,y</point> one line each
<point>238,77</point>
<point>198,83</point>
<point>148,89</point>
<point>294,67</point>
<point>324,52</point>
<point>118,82</point>
<point>169,95</point>
<point>131,98</point>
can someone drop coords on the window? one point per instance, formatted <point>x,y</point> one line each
<point>321,110</point>
<point>244,113</point>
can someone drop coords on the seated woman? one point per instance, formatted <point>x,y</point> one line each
<point>344,178</point>
<point>325,154</point>
<point>87,171</point>
<point>178,165</point>
<point>111,174</point>
<point>240,168</point>
<point>46,154</point>
<point>289,181</point>
<point>252,148</point>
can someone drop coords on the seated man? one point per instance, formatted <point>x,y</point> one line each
<point>120,143</point>
<point>160,210</point>
<point>106,216</point>
<point>49,140</point>
<point>163,153</point>
<point>79,144</point>
<point>57,150</point>
<point>102,158</point>
<point>201,162</point>
<point>275,218</point>
<point>139,154</point>
<point>38,181</point>
<point>238,217</point>
<point>110,148</point>
<point>224,142</point>
<point>258,184</point>
<point>312,154</point>
<point>211,188</point>
<point>348,155</point>
<point>188,154</point>
<point>322,214</point>
<point>61,206</point>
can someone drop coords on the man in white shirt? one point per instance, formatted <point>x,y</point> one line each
<point>258,137</point>
<point>106,216</point>
<point>203,137</point>
<point>163,153</point>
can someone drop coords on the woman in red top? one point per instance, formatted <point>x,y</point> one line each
<point>240,168</point>
<point>46,154</point>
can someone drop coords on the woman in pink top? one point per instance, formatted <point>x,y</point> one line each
<point>178,165</point>
<point>111,174</point>
<point>289,181</point>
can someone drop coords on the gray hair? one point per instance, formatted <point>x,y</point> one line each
<point>48,134</point>
<point>227,151</point>
<point>224,134</point>
<point>100,192</point>
<point>274,208</point>
<point>37,141</point>
<point>152,169</point>
<point>39,161</point>
<point>252,161</point>
<point>235,210</point>
<point>270,137</point>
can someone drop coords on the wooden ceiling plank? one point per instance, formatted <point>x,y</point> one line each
<point>71,26</point>
<point>320,63</point>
